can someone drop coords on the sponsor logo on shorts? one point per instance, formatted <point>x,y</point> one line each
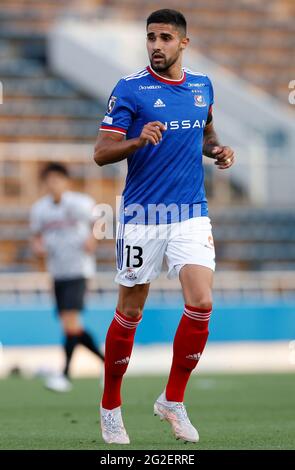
<point>130,274</point>
<point>210,243</point>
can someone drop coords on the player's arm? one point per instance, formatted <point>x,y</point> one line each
<point>84,211</point>
<point>36,239</point>
<point>111,147</point>
<point>223,155</point>
<point>90,245</point>
<point>37,246</point>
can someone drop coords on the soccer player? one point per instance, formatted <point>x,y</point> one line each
<point>61,226</point>
<point>160,119</point>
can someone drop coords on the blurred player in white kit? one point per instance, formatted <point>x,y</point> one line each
<point>61,226</point>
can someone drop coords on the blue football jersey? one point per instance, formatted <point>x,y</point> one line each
<point>165,182</point>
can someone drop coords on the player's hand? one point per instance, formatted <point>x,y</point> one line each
<point>224,156</point>
<point>90,245</point>
<point>38,247</point>
<point>151,133</point>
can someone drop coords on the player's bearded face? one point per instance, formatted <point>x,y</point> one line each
<point>164,46</point>
<point>160,65</point>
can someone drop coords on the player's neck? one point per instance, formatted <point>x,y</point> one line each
<point>175,72</point>
<point>57,197</point>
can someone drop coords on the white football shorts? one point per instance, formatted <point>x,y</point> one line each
<point>141,249</point>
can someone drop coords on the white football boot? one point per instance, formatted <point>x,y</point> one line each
<point>175,413</point>
<point>112,426</point>
<point>58,383</point>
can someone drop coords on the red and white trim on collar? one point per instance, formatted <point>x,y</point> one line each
<point>165,80</point>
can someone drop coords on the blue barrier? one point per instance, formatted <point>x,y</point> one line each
<point>231,321</point>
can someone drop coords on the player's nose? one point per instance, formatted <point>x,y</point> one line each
<point>157,45</point>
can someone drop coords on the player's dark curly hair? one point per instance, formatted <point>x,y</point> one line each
<point>168,16</point>
<point>54,168</point>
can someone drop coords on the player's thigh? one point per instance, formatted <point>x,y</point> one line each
<point>132,299</point>
<point>191,256</point>
<point>140,252</point>
<point>196,282</point>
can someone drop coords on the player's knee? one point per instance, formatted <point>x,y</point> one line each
<point>68,331</point>
<point>204,302</point>
<point>132,312</point>
<point>70,322</point>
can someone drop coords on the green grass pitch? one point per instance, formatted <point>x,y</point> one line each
<point>230,411</point>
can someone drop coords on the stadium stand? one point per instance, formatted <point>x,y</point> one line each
<point>245,240</point>
<point>254,39</point>
<point>40,108</point>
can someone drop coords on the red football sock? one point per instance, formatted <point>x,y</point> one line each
<point>118,348</point>
<point>189,342</point>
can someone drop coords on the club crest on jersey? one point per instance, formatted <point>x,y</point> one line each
<point>200,101</point>
<point>111,104</point>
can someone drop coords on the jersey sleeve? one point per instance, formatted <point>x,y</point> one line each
<point>121,109</point>
<point>211,93</point>
<point>211,101</point>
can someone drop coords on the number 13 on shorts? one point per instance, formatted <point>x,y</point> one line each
<point>139,257</point>
<point>141,249</point>
<point>135,260</point>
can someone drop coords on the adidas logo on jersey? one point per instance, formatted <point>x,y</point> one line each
<point>159,104</point>
<point>194,357</point>
<point>123,361</point>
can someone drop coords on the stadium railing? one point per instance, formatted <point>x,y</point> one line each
<point>275,282</point>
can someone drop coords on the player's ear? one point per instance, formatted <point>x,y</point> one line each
<point>184,43</point>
